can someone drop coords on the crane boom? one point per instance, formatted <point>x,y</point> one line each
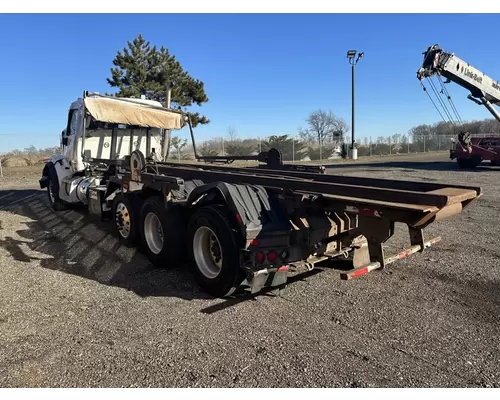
<point>483,89</point>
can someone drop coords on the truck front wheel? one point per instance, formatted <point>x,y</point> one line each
<point>214,250</point>
<point>53,192</point>
<point>162,232</point>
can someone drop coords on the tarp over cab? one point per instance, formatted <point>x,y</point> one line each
<point>132,113</point>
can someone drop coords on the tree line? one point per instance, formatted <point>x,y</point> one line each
<point>425,137</point>
<point>317,143</point>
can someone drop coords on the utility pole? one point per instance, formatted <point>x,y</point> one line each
<point>353,72</point>
<point>351,54</point>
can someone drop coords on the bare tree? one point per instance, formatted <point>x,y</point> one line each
<point>341,129</point>
<point>231,131</point>
<point>212,146</point>
<point>490,126</point>
<point>206,149</point>
<point>178,144</point>
<point>396,138</point>
<point>324,126</point>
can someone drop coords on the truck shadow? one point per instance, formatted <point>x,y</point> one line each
<point>73,243</point>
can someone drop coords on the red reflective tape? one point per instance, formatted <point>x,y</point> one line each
<point>360,272</point>
<point>405,254</point>
<point>360,245</point>
<point>370,212</point>
<point>238,218</point>
<point>283,268</point>
<point>366,211</point>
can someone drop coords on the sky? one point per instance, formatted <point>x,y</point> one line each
<point>263,73</point>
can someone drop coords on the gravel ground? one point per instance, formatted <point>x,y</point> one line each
<point>77,309</point>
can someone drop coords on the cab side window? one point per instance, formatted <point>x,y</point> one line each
<point>72,119</point>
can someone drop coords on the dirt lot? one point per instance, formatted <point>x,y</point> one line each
<point>76,309</point>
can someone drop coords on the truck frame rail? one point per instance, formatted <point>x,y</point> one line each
<point>338,215</point>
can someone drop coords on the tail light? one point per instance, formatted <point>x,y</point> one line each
<point>272,256</point>
<point>259,257</point>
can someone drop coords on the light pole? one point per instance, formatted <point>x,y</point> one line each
<point>351,55</point>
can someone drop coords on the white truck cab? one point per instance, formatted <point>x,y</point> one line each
<point>103,129</point>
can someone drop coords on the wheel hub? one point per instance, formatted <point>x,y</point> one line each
<point>207,252</point>
<point>153,233</point>
<point>215,249</point>
<point>123,220</point>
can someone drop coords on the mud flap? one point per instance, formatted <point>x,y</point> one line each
<point>44,182</point>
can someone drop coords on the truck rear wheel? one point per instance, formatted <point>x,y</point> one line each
<point>125,212</point>
<point>162,232</point>
<point>214,251</point>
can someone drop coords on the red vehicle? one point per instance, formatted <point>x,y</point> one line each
<point>470,150</point>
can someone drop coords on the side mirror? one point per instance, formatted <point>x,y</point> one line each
<point>64,138</point>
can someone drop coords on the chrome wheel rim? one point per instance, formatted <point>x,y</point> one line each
<point>207,252</point>
<point>153,233</point>
<point>122,217</point>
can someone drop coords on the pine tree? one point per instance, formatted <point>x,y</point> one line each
<point>142,69</point>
